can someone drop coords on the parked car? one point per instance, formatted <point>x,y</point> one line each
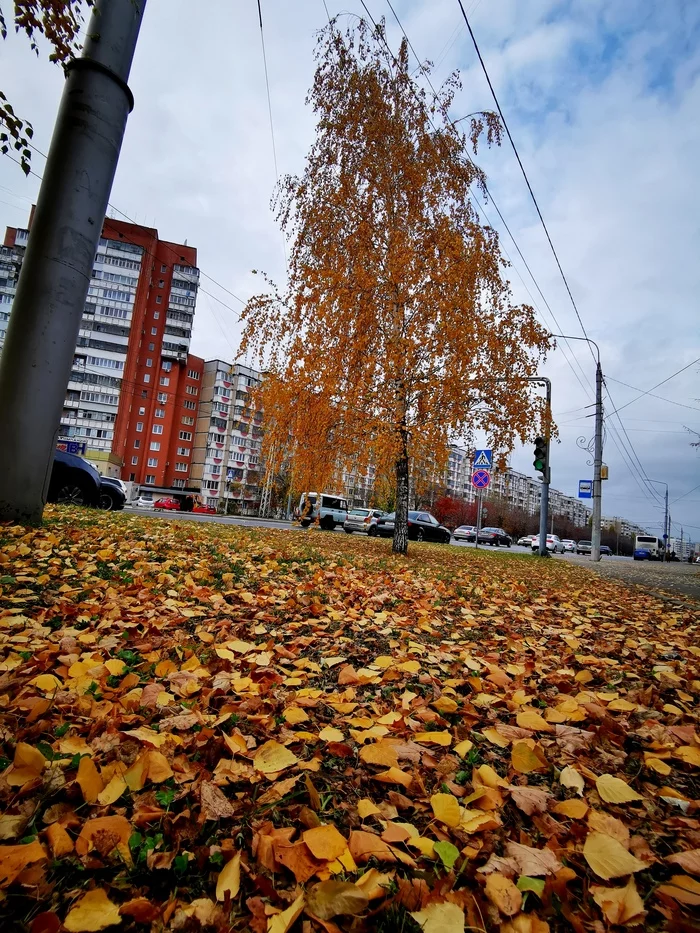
<point>584,547</point>
<point>363,520</point>
<point>422,526</point>
<point>167,504</point>
<point>112,493</point>
<point>142,502</point>
<point>604,549</point>
<point>554,544</point>
<point>465,533</point>
<point>73,481</point>
<point>203,509</point>
<point>569,545</point>
<point>526,540</point>
<point>330,510</point>
<point>494,537</point>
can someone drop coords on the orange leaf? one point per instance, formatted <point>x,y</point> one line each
<point>325,842</point>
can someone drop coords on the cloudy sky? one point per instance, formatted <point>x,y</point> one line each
<point>604,103</point>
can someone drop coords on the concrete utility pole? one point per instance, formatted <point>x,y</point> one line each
<point>597,449</point>
<point>667,528</point>
<point>43,329</point>
<point>547,475</point>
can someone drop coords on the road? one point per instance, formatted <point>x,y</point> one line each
<point>676,579</point>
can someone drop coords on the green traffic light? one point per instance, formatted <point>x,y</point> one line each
<point>539,464</point>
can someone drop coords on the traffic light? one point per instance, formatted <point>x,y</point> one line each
<point>540,461</point>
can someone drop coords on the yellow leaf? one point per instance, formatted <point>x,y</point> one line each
<point>366,808</point>
<point>329,734</point>
<point>488,777</point>
<point>94,911</point>
<point>47,683</point>
<point>325,842</point>
<point>525,759</point>
<point>272,757</point>
<point>89,780</point>
<point>112,791</point>
<point>445,705</point>
<point>614,790</point>
<point>608,858</point>
<point>280,923</point>
<point>463,748</point>
<point>656,764</point>
<point>229,879</point>
<point>495,737</point>
<point>14,859</point>
<point>144,734</point>
<point>446,809</point>
<point>619,905</point>
<point>383,661</point>
<point>426,847</point>
<point>503,894</point>
<point>682,888</point>
<point>690,754</point>
<point>330,899</point>
<point>570,777</point>
<point>433,738</point>
<point>440,918</point>
<point>622,706</point>
<point>375,883</point>
<point>295,715</point>
<point>411,667</point>
<point>394,776</point>
<point>531,719</point>
<point>379,753</point>
<point>574,809</point>
<point>115,667</point>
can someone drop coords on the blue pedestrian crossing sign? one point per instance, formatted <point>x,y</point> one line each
<point>585,489</point>
<point>483,459</point>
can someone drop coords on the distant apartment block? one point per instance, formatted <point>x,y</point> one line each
<point>133,393</point>
<point>228,438</point>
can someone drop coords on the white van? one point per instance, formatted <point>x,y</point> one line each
<point>330,511</point>
<point>648,547</point>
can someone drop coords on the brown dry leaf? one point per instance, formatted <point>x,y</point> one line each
<point>330,899</point>
<point>297,857</point>
<point>682,888</point>
<point>530,800</point>
<point>215,804</point>
<point>394,776</point>
<point>608,858</point>
<point>325,842</point>
<point>141,910</point>
<point>531,861</point>
<point>440,918</point>
<point>446,809</point>
<point>364,846</point>
<point>229,880</point>
<point>94,911</point>
<point>615,790</point>
<point>503,894</point>
<point>59,841</point>
<point>104,833</point>
<point>14,859</point>
<point>689,861</point>
<point>610,825</point>
<point>619,905</point>
<point>272,757</point>
<point>281,922</point>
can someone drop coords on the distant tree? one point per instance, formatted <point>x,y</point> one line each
<point>59,22</point>
<point>453,512</point>
<point>397,319</point>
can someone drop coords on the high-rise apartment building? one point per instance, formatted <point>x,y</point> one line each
<point>134,388</point>
<point>228,438</point>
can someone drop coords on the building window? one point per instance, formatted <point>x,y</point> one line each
<point>188,419</point>
<point>179,483</point>
<point>185,436</point>
<point>163,268</point>
<point>165,380</point>
<point>157,429</point>
<point>137,443</point>
<point>166,366</point>
<point>160,413</point>
<point>183,451</point>
<point>134,461</point>
<point>156,315</point>
<point>132,477</point>
<point>191,390</point>
<point>181,467</point>
<point>142,411</point>
<point>161,283</point>
<point>150,479</point>
<point>147,377</point>
<point>139,426</point>
<point>193,374</point>
<point>189,405</point>
<point>151,347</point>
<point>149,363</point>
<point>155,445</point>
<point>154,331</point>
<point>153,461</point>
<point>159,299</point>
<point>162,396</point>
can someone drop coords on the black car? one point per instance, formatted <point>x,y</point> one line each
<point>73,481</point>
<point>494,537</point>
<point>112,493</point>
<point>422,526</point>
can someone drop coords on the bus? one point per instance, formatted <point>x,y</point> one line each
<point>647,547</point>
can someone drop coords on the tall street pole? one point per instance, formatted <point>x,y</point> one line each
<point>667,528</point>
<point>597,449</point>
<point>43,329</point>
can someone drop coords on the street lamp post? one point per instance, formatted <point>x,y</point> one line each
<point>597,450</point>
<point>667,529</point>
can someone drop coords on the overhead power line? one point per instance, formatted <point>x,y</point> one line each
<point>663,382</point>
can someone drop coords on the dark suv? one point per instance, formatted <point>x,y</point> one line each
<point>73,481</point>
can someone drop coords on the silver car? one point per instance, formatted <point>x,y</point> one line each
<point>363,520</point>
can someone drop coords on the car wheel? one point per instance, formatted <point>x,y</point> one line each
<point>419,534</point>
<point>327,523</point>
<point>72,494</point>
<point>372,531</point>
<point>305,523</point>
<point>508,543</point>
<point>447,539</point>
<point>348,531</point>
<point>106,501</point>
